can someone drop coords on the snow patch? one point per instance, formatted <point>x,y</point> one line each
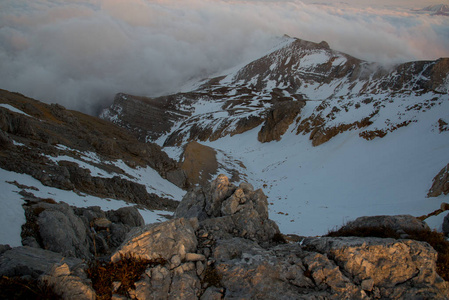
<point>13,109</point>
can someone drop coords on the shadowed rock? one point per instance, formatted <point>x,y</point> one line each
<point>440,183</point>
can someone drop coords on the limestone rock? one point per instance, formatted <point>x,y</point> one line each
<point>76,232</point>
<point>250,272</point>
<point>185,286</point>
<point>192,205</point>
<point>440,183</point>
<point>161,240</point>
<point>212,293</point>
<point>388,262</point>
<point>31,261</point>
<point>229,211</point>
<point>126,215</point>
<point>396,223</point>
<point>220,189</point>
<point>69,284</point>
<point>279,118</point>
<point>327,275</point>
<point>155,285</point>
<point>63,232</point>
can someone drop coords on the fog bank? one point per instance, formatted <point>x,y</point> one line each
<point>80,53</point>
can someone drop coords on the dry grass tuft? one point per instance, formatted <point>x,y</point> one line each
<point>279,238</point>
<point>126,271</point>
<point>17,288</point>
<point>371,231</point>
<point>211,277</point>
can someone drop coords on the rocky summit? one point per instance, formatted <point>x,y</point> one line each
<point>221,244</point>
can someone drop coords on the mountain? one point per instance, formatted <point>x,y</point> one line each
<point>437,9</point>
<point>328,136</point>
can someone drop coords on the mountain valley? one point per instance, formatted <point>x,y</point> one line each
<point>329,137</point>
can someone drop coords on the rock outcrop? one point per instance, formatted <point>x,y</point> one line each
<point>398,223</point>
<point>440,183</point>
<point>84,233</point>
<point>410,264</point>
<point>54,145</point>
<point>279,118</point>
<point>199,163</point>
<point>226,211</point>
<point>222,245</point>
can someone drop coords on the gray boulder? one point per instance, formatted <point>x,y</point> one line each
<point>397,223</point>
<point>160,240</point>
<point>387,264</point>
<point>63,232</point>
<point>31,261</point>
<point>129,216</point>
<point>77,232</point>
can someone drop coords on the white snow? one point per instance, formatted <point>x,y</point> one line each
<point>315,189</point>
<point>148,177</point>
<point>12,218</point>
<point>13,109</point>
<point>313,58</point>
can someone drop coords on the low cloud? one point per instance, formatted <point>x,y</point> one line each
<point>80,53</point>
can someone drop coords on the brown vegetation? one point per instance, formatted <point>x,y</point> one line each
<point>18,288</point>
<point>126,271</point>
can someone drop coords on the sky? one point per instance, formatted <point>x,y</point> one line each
<point>81,53</point>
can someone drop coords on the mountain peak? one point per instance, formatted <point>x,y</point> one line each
<point>437,9</point>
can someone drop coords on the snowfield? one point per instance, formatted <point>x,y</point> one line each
<point>312,190</point>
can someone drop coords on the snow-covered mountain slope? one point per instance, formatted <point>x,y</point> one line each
<point>47,151</point>
<point>299,71</point>
<point>329,137</point>
<point>437,9</point>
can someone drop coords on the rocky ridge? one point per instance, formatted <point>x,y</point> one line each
<point>60,148</point>
<point>222,245</point>
<point>297,73</point>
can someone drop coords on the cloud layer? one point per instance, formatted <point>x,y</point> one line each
<point>80,53</point>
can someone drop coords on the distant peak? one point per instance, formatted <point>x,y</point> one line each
<point>436,9</point>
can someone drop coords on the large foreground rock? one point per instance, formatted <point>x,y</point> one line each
<point>155,241</point>
<point>383,263</point>
<point>222,245</point>
<point>228,211</point>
